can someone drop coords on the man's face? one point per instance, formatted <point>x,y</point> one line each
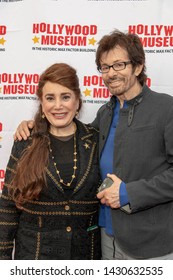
<point>123,82</point>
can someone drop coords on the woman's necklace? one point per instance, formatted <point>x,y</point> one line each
<point>74,166</point>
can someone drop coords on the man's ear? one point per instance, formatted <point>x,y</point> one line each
<point>138,69</point>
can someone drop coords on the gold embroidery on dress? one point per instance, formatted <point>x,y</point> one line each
<point>38,246</point>
<point>88,168</point>
<point>6,247</point>
<point>6,242</point>
<point>10,169</point>
<point>13,157</point>
<point>92,246</point>
<point>54,179</point>
<point>87,146</point>
<point>5,197</point>
<point>85,202</point>
<point>8,224</point>
<point>47,213</point>
<point>54,203</point>
<point>8,211</point>
<point>86,136</point>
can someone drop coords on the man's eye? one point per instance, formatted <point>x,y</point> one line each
<point>118,65</point>
<point>104,68</point>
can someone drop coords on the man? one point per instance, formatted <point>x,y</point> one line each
<point>136,152</point>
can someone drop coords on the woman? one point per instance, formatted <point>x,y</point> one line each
<point>48,204</point>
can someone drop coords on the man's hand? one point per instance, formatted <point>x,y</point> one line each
<point>110,196</point>
<point>22,131</point>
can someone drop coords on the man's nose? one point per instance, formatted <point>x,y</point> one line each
<point>112,72</point>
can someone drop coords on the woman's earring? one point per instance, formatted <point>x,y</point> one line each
<point>77,113</point>
<point>43,116</point>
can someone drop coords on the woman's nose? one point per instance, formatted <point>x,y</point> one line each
<point>58,103</point>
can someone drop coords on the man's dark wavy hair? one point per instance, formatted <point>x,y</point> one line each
<point>129,42</point>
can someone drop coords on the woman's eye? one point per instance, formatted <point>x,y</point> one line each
<point>66,97</point>
<point>49,98</point>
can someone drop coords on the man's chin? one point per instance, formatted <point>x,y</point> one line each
<point>115,92</point>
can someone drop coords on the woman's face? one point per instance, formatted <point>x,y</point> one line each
<point>59,104</point>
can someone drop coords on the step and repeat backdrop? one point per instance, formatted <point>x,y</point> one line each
<point>37,33</point>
